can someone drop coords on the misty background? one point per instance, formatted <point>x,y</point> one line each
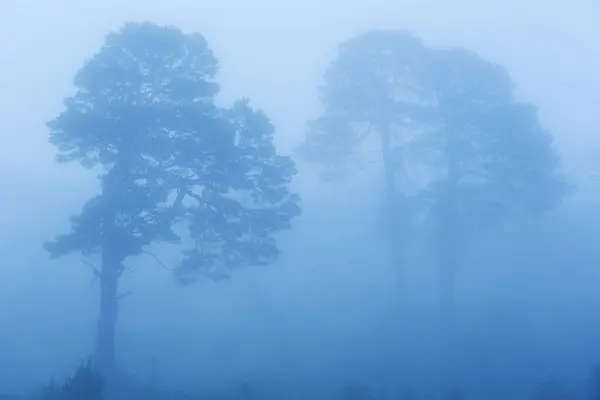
<point>527,299</point>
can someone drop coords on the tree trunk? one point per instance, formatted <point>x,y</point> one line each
<point>109,274</point>
<point>450,251</point>
<point>107,320</point>
<point>392,205</point>
<point>450,246</point>
<point>448,261</point>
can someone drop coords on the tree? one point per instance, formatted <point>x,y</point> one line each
<point>450,114</point>
<point>144,115</point>
<point>372,97</point>
<point>489,155</point>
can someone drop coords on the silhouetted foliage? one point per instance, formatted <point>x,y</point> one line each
<point>485,146</point>
<point>85,384</point>
<point>146,84</point>
<point>240,201</point>
<point>367,94</point>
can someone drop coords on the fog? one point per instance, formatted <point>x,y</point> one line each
<point>329,311</point>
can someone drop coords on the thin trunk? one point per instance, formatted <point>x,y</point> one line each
<point>448,248</point>
<point>448,266</point>
<point>109,274</point>
<point>450,229</point>
<point>448,253</point>
<point>392,205</point>
<point>107,320</point>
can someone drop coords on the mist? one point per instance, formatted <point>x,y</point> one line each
<point>329,311</point>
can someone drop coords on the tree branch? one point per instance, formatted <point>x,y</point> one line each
<point>122,296</point>
<point>156,259</point>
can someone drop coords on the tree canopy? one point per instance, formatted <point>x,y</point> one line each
<point>136,100</point>
<point>452,116</point>
<point>144,112</point>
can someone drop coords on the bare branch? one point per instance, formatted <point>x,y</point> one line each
<point>123,268</point>
<point>195,196</point>
<point>122,296</point>
<point>156,259</point>
<point>95,269</point>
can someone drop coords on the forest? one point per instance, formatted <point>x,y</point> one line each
<point>444,167</point>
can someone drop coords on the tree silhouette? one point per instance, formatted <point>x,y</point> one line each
<point>481,154</point>
<point>372,99</point>
<point>144,116</point>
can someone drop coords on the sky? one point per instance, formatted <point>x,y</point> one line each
<point>274,52</point>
